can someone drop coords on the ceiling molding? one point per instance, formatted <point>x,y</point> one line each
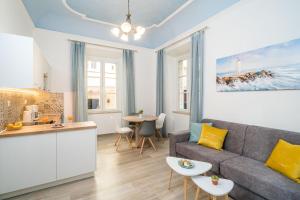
<point>85,17</point>
<point>203,25</point>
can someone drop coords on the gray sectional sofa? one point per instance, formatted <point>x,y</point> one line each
<point>245,150</point>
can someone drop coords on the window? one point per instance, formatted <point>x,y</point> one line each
<point>183,94</point>
<point>102,84</point>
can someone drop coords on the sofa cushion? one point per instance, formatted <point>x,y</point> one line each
<point>259,179</point>
<point>260,141</point>
<point>198,152</point>
<point>285,158</point>
<point>212,137</point>
<point>240,193</point>
<point>196,129</point>
<point>234,141</point>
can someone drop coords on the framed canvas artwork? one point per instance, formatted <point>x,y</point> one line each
<point>275,67</point>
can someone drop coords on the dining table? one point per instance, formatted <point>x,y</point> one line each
<point>138,120</point>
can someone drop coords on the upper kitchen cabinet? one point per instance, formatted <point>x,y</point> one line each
<point>21,63</point>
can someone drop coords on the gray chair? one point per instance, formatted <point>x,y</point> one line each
<point>147,130</point>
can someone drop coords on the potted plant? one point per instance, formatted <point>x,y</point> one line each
<point>215,179</point>
<point>141,113</point>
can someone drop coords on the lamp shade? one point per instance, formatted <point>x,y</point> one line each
<point>140,30</point>
<point>137,36</point>
<point>124,37</point>
<point>126,27</point>
<point>115,32</point>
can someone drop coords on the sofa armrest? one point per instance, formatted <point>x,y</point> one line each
<point>176,137</point>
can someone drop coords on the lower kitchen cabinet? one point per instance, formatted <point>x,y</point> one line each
<point>76,153</point>
<point>27,161</point>
<point>46,159</point>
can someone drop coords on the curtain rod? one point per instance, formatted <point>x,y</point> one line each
<point>102,45</point>
<point>189,35</point>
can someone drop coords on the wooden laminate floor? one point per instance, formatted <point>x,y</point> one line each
<point>123,175</point>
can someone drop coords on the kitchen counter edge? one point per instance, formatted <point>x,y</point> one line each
<point>47,128</point>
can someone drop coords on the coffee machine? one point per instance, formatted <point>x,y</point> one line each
<point>31,114</point>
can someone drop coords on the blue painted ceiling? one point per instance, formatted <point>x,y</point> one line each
<point>53,15</point>
<point>144,12</point>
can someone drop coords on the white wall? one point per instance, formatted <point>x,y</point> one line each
<point>14,18</point>
<point>40,68</point>
<point>251,25</point>
<point>145,81</point>
<point>56,49</point>
<point>248,25</point>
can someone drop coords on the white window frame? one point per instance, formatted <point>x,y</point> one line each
<point>102,82</point>
<point>188,82</point>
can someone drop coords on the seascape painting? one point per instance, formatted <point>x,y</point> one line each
<point>275,67</point>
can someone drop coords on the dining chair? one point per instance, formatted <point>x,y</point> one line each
<point>147,130</point>
<point>159,125</point>
<point>123,132</point>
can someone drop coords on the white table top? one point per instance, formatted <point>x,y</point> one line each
<point>204,182</point>
<point>199,168</point>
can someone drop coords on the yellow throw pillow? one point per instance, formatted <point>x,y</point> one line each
<point>285,158</point>
<point>212,137</point>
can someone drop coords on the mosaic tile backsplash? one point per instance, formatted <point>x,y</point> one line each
<point>12,104</point>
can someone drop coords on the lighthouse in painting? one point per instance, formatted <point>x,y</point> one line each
<point>238,66</point>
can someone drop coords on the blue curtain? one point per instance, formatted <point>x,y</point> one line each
<point>128,63</point>
<point>78,81</point>
<point>196,107</point>
<point>160,86</point>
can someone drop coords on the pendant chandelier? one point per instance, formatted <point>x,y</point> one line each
<point>127,29</point>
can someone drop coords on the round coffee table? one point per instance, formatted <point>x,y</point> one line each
<point>222,189</point>
<point>198,169</point>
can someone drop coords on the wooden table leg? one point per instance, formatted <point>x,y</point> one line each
<point>226,197</point>
<point>171,174</point>
<point>185,187</point>
<point>197,193</point>
<point>136,133</point>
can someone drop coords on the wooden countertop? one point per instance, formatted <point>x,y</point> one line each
<point>137,119</point>
<point>47,128</point>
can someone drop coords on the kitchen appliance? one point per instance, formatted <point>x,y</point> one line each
<point>31,114</point>
<point>27,116</point>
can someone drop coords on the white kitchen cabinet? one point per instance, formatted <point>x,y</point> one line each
<point>45,159</point>
<point>27,161</point>
<point>76,152</point>
<point>22,64</point>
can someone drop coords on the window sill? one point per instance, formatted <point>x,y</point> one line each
<point>182,112</point>
<point>91,112</point>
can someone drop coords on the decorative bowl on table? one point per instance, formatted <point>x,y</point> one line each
<point>187,164</point>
